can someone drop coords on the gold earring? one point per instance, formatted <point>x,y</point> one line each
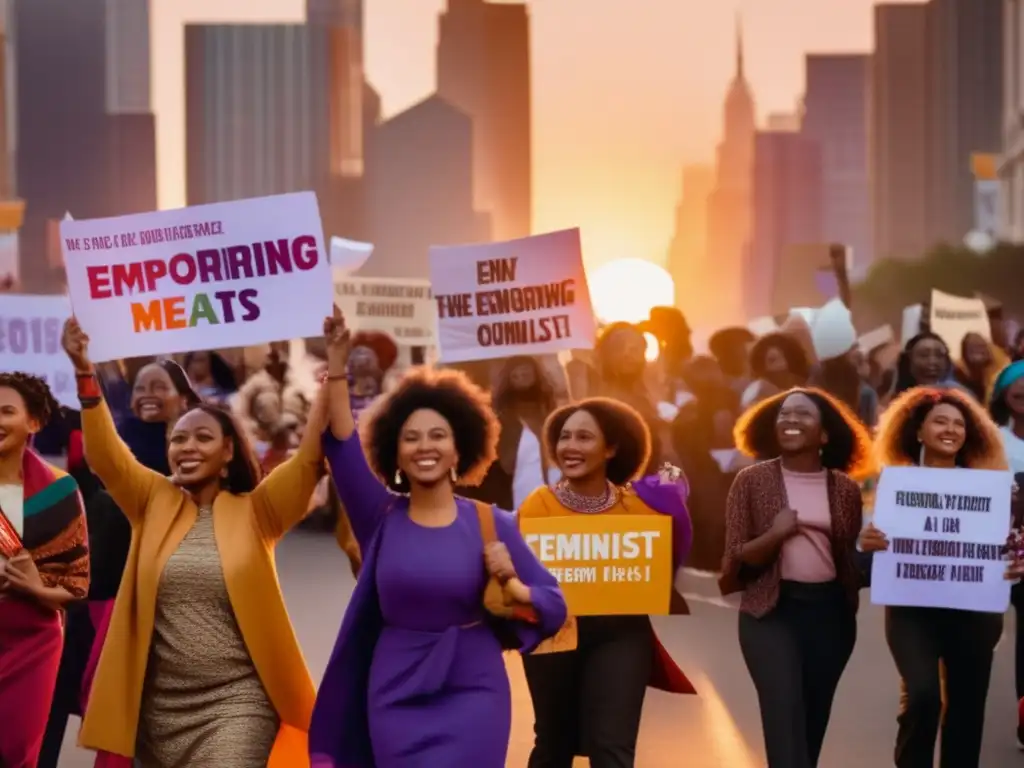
<point>398,477</point>
<point>453,474</point>
<point>224,472</point>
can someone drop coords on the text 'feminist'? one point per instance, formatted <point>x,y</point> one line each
<point>514,300</point>
<point>574,553</point>
<point>211,265</point>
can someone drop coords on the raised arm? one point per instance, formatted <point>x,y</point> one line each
<point>128,482</point>
<point>281,501</point>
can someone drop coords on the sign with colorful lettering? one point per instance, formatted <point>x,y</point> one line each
<point>30,328</point>
<point>946,530</point>
<point>222,275</point>
<point>519,297</point>
<point>606,564</point>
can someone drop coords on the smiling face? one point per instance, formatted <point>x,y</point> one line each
<point>581,451</point>
<point>977,353</point>
<point>16,425</point>
<point>798,426</point>
<point>929,361</point>
<point>426,448</point>
<point>154,397</point>
<point>198,450</point>
<point>944,431</point>
<point>775,362</point>
<point>1015,399</point>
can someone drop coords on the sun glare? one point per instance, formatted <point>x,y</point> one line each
<point>624,291</point>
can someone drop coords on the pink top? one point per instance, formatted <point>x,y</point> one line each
<point>807,556</point>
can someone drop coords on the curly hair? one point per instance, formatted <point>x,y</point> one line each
<point>791,349</point>
<point>896,443</point>
<point>40,403</point>
<point>464,405</point>
<point>849,443</point>
<point>381,344</point>
<point>623,428</point>
<point>243,470</point>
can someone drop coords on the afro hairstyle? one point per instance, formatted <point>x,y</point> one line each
<point>896,443</point>
<point>621,426</point>
<point>849,443</point>
<point>465,406</point>
<point>791,349</point>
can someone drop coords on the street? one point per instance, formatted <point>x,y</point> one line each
<point>718,729</point>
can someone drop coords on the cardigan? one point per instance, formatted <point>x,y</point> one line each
<point>247,527</point>
<point>756,497</point>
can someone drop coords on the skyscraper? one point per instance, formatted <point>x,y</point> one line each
<point>966,102</point>
<point>420,188</point>
<point>344,21</point>
<point>687,254</point>
<point>729,203</point>
<point>1011,170</point>
<point>900,132</point>
<point>257,122</point>
<point>787,211</point>
<point>836,117</point>
<point>483,68</point>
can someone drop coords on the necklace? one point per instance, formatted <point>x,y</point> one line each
<point>587,505</point>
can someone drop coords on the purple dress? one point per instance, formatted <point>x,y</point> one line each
<point>416,678</point>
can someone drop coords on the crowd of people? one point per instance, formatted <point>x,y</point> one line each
<point>138,587</point>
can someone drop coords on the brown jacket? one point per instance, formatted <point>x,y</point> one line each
<point>756,497</point>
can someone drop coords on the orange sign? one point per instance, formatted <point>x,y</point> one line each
<point>606,564</point>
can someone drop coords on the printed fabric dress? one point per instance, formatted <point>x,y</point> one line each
<point>417,678</point>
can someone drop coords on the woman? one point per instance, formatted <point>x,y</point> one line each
<point>588,699</point>
<point>159,395</point>
<point>924,362</point>
<point>778,361</point>
<point>44,565</point>
<point>791,530</point>
<point>416,679</point>
<point>235,692</point>
<point>1006,408</point>
<point>942,428</point>
<point>211,376</point>
<point>374,353</point>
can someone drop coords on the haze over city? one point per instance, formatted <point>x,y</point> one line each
<point>621,99</point>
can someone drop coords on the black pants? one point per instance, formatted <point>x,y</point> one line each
<point>589,701</point>
<point>964,641</point>
<point>796,655</point>
<point>1017,598</point>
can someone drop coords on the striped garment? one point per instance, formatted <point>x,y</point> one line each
<point>54,526</point>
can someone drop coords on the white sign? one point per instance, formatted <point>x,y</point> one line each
<point>946,530</point>
<point>222,275</point>
<point>348,256</point>
<point>30,329</point>
<point>911,323</point>
<point>986,206</point>
<point>403,309</point>
<point>953,317</point>
<point>520,297</point>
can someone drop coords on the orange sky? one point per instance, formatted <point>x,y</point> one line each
<point>622,98</point>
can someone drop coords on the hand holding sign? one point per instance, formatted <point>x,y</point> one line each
<point>872,540</point>
<point>76,344</point>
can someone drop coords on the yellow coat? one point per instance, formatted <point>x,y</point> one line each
<point>247,528</point>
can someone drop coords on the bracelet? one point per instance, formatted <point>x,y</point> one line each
<point>337,377</point>
<point>89,402</point>
<point>88,387</point>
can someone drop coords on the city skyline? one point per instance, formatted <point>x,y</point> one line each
<point>584,155</point>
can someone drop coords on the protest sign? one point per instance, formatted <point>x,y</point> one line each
<point>910,325</point>
<point>953,317</point>
<point>946,530</point>
<point>30,329</point>
<point>606,564</point>
<point>403,309</point>
<point>520,297</point>
<point>222,275</point>
<point>349,256</point>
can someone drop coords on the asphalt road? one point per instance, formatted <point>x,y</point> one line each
<point>718,729</point>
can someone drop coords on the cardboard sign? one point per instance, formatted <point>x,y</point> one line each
<point>953,317</point>
<point>606,564</point>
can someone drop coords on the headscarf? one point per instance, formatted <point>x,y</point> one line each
<point>1007,377</point>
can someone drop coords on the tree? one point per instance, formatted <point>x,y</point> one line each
<point>893,284</point>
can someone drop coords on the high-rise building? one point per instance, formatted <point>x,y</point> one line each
<point>687,254</point>
<point>787,211</point>
<point>966,105</point>
<point>729,204</point>
<point>483,68</point>
<point>900,132</point>
<point>836,117</point>
<point>344,21</point>
<point>257,122</point>
<point>420,188</point>
<point>128,57</point>
<point>1011,169</point>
